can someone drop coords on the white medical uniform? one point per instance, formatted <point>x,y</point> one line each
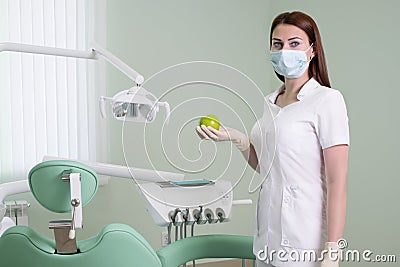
<point>291,210</point>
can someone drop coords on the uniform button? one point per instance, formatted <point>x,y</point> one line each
<point>285,241</point>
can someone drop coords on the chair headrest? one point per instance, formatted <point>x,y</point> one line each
<point>45,181</point>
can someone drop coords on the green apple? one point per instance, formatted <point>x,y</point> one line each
<point>210,120</point>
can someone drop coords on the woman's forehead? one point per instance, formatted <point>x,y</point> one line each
<point>287,31</point>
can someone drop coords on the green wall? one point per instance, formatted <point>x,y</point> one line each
<point>360,39</point>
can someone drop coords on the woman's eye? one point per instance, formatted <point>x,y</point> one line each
<point>277,45</point>
<point>294,44</point>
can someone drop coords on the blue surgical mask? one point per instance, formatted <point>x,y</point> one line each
<point>289,63</point>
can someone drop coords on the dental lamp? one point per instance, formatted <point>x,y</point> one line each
<point>135,104</point>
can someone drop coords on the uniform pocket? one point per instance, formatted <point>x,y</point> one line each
<point>303,216</point>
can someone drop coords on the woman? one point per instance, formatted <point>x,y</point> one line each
<point>301,147</point>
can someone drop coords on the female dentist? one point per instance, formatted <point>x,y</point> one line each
<point>304,133</point>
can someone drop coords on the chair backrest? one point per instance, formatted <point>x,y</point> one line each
<point>206,246</point>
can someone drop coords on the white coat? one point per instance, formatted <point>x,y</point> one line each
<point>291,210</point>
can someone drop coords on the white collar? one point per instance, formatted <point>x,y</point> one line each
<point>305,90</point>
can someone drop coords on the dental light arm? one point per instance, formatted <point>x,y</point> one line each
<point>116,62</point>
<point>12,188</point>
<point>43,50</point>
<point>96,52</point>
<point>127,172</point>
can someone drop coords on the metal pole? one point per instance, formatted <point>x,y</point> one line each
<point>96,51</point>
<point>44,50</point>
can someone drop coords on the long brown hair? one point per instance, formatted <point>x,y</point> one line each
<point>317,69</point>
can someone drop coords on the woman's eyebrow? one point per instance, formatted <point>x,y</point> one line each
<point>294,38</point>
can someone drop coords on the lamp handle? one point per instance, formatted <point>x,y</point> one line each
<point>102,107</point>
<point>167,110</point>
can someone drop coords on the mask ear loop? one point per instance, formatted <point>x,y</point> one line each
<point>312,56</point>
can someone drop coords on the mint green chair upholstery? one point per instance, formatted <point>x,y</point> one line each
<point>206,246</point>
<point>117,245</point>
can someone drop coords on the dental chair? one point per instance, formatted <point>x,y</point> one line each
<point>66,186</point>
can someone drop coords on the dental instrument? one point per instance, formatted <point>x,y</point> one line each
<point>204,201</point>
<point>189,202</point>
